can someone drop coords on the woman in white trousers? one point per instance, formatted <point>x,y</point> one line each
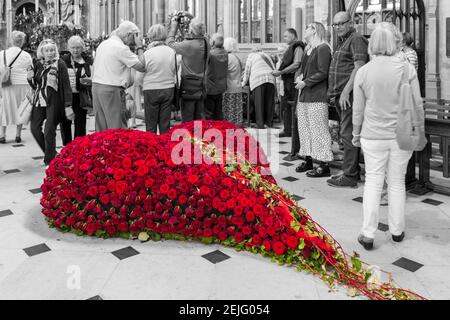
<point>375,115</point>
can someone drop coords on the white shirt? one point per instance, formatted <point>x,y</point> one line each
<point>20,67</point>
<point>112,62</point>
<point>160,66</point>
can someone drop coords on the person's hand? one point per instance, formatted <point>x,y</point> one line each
<point>356,141</point>
<point>300,85</point>
<point>30,74</point>
<point>138,40</point>
<point>70,115</point>
<point>344,101</point>
<point>276,73</point>
<point>86,82</point>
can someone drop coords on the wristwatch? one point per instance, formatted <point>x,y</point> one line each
<point>140,48</point>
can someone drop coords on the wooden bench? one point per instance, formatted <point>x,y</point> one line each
<point>437,123</point>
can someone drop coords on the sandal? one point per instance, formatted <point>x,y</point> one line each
<point>304,167</point>
<point>319,172</point>
<point>3,140</point>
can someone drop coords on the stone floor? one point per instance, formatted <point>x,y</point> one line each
<point>40,263</point>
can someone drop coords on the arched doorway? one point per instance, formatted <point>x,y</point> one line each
<point>407,15</point>
<point>26,8</point>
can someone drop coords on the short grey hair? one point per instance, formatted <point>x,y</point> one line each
<point>40,53</point>
<point>230,44</point>
<point>18,38</point>
<point>76,40</point>
<point>384,41</point>
<point>197,28</point>
<point>217,39</point>
<point>157,32</point>
<point>125,28</point>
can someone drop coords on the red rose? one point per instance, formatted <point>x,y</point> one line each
<point>256,240</point>
<point>204,191</point>
<point>223,236</point>
<point>193,179</point>
<point>121,187</point>
<point>92,192</point>
<point>238,237</point>
<point>279,248</point>
<point>164,188</point>
<point>182,199</point>
<point>238,210</point>
<point>142,171</point>
<point>207,233</point>
<point>172,194</point>
<point>247,230</point>
<point>250,216</point>
<point>112,186</point>
<point>170,180</point>
<point>102,189</point>
<point>149,183</point>
<point>119,174</point>
<point>111,230</point>
<point>207,180</point>
<point>123,227</point>
<point>224,195</point>
<point>91,228</point>
<point>292,242</point>
<point>222,220</point>
<point>126,163</point>
<point>104,199</point>
<point>267,245</point>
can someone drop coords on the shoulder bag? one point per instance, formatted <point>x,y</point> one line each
<point>192,86</point>
<point>5,76</point>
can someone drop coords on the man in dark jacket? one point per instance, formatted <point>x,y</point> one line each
<point>290,65</point>
<point>217,79</point>
<point>195,54</point>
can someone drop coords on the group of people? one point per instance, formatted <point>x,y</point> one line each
<point>204,78</point>
<point>351,79</point>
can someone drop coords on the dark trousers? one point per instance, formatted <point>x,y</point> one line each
<point>80,117</point>
<point>158,108</point>
<point>264,104</point>
<point>46,139</point>
<point>65,127</point>
<point>286,109</point>
<point>350,166</point>
<point>295,147</point>
<point>192,110</point>
<point>213,107</point>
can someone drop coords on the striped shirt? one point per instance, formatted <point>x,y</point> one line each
<point>411,56</point>
<point>258,71</point>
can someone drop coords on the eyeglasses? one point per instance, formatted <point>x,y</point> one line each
<point>340,24</point>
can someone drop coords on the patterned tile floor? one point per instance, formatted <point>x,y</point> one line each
<point>39,263</point>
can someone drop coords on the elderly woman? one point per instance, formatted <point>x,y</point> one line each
<point>258,71</point>
<point>12,95</point>
<point>312,107</point>
<point>194,51</point>
<point>79,69</point>
<point>232,99</point>
<point>159,81</point>
<point>408,51</point>
<point>53,101</point>
<point>375,119</point>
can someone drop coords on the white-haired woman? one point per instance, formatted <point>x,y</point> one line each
<point>312,107</point>
<point>12,95</point>
<point>79,67</point>
<point>232,98</point>
<point>53,102</point>
<point>159,81</point>
<point>375,115</point>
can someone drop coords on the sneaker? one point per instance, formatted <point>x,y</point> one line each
<point>18,139</point>
<point>398,238</point>
<point>292,157</point>
<point>343,182</point>
<point>367,243</point>
<point>339,176</point>
<point>319,172</point>
<point>3,140</point>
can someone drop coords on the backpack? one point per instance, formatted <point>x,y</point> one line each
<point>411,118</point>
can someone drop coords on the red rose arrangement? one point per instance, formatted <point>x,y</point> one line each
<point>129,184</point>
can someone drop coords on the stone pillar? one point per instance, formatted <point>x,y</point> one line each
<point>211,15</point>
<point>231,19</point>
<point>36,5</point>
<point>433,78</point>
<point>77,15</point>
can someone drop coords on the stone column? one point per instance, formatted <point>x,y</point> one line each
<point>77,15</point>
<point>231,19</point>
<point>211,15</point>
<point>160,11</point>
<point>433,78</point>
<point>36,5</point>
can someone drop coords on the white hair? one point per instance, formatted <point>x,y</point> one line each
<point>197,28</point>
<point>125,28</point>
<point>44,43</point>
<point>18,38</point>
<point>384,41</point>
<point>157,32</point>
<point>76,40</point>
<point>230,44</point>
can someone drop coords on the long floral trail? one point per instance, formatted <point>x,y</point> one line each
<point>348,271</point>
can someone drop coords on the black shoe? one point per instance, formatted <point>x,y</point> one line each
<point>3,140</point>
<point>284,135</point>
<point>319,172</point>
<point>304,167</point>
<point>366,242</point>
<point>398,238</point>
<point>18,139</point>
<point>339,176</point>
<point>343,182</point>
<point>292,157</point>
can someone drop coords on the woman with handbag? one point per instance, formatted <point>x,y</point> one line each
<point>79,68</point>
<point>53,98</point>
<point>159,81</point>
<point>15,64</point>
<point>377,102</point>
